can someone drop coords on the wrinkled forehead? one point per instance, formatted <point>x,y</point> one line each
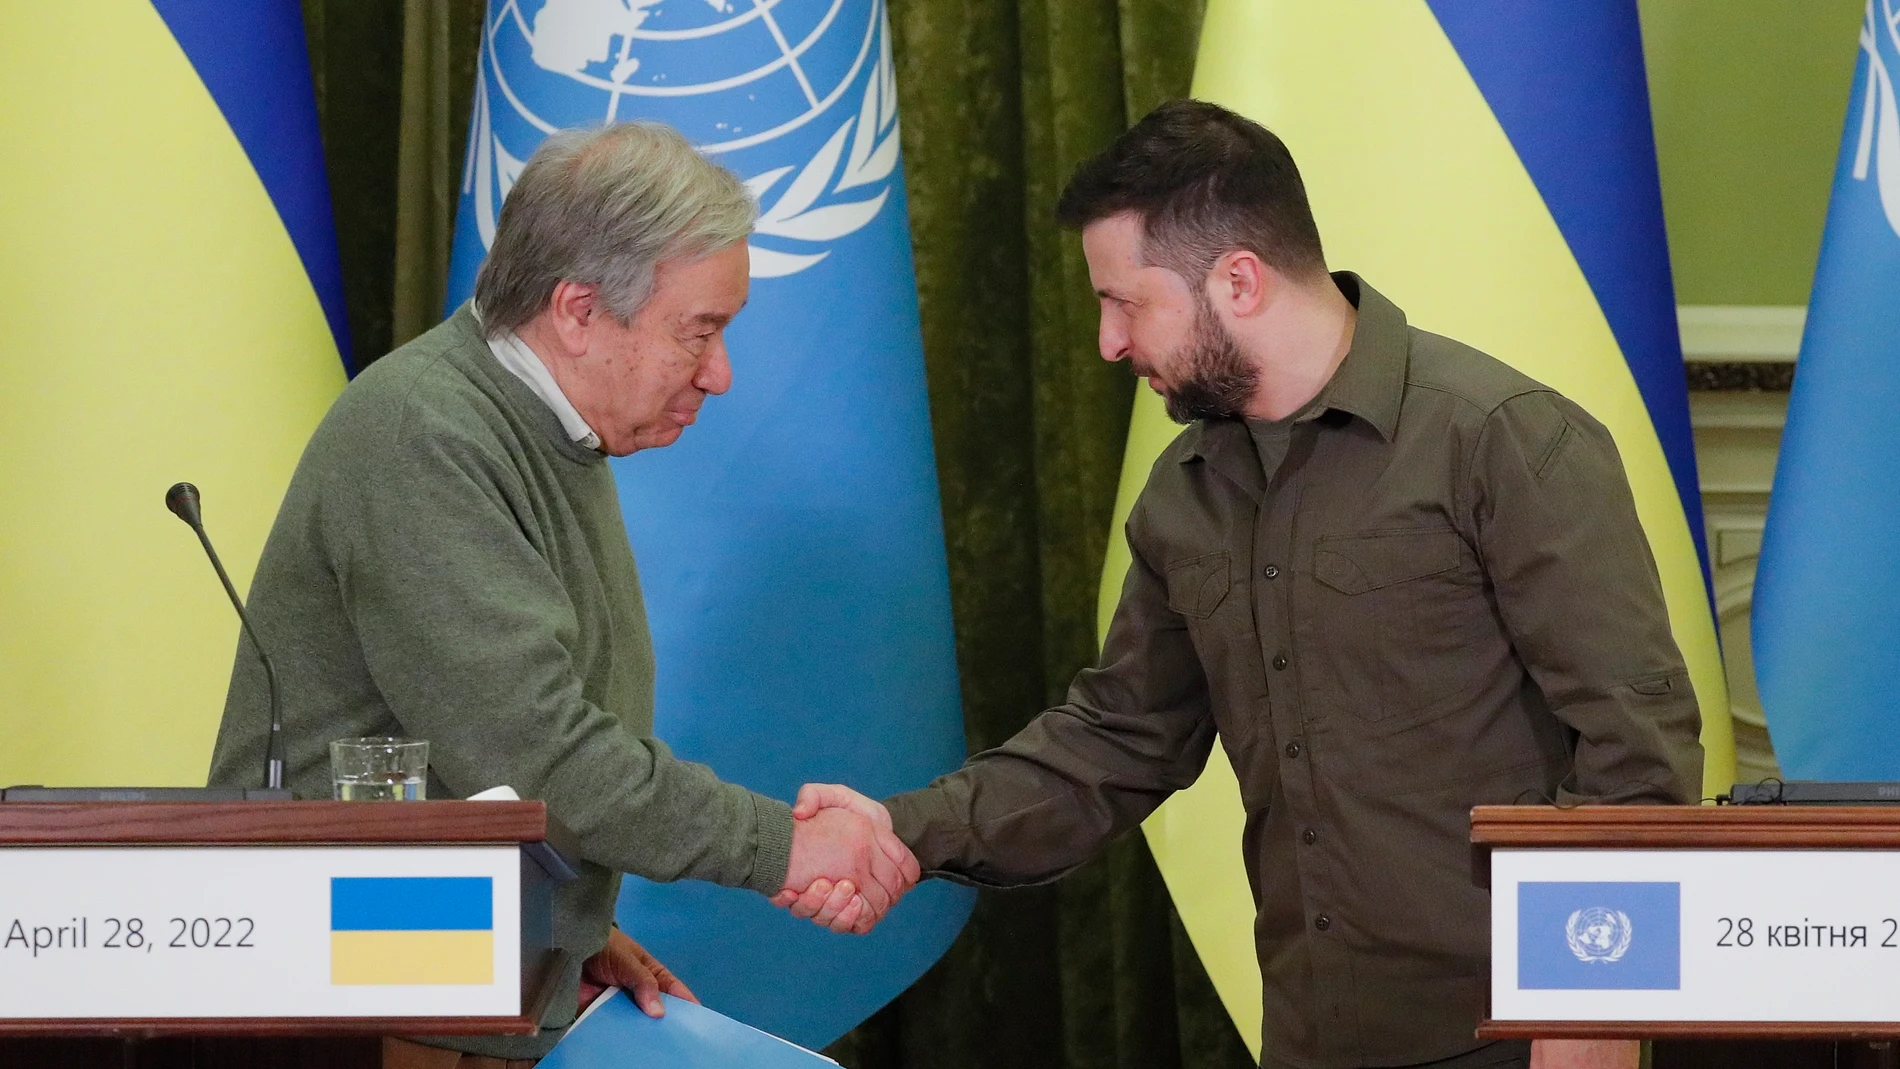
<point>1116,239</point>
<point>712,287</point>
<point>1113,248</point>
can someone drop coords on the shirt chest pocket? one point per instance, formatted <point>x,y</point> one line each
<point>1203,591</point>
<point>1198,585</point>
<point>1404,623</point>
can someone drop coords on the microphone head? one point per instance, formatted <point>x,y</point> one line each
<point>182,499</point>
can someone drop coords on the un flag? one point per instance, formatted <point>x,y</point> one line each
<point>791,545</point>
<point>1578,936</point>
<point>1826,635</point>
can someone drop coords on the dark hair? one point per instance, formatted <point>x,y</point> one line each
<point>1204,182</point>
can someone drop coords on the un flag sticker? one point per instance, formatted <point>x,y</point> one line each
<point>1599,936</point>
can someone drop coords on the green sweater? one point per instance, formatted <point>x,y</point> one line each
<point>448,566</point>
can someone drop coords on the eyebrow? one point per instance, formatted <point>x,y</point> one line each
<point>718,319</point>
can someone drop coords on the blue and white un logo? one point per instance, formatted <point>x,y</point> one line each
<point>1598,934</point>
<point>1877,151</point>
<point>797,96</point>
<point>1582,936</point>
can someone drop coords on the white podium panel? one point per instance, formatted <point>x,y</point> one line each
<point>1695,935</point>
<point>154,932</point>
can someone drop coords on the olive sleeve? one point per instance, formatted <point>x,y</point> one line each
<point>1135,728</point>
<point>1577,589</point>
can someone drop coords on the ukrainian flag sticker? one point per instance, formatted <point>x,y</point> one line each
<point>388,930</point>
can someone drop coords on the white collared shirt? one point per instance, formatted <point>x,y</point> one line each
<point>515,355</point>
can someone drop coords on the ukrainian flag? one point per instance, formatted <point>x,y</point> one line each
<point>171,308</point>
<point>412,930</point>
<point>1489,165</point>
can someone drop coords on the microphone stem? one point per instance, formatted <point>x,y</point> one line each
<point>273,749</point>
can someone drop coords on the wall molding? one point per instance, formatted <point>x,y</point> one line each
<point>1740,333</point>
<point>1737,439</point>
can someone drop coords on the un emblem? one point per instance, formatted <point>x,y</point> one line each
<point>1879,143</point>
<point>1598,934</point>
<point>798,96</point>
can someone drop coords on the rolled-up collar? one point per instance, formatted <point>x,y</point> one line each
<point>522,362</point>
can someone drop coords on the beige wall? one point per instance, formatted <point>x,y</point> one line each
<point>1749,96</point>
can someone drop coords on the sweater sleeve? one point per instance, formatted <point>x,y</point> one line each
<point>469,636</point>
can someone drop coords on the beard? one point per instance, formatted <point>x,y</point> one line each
<point>1219,380</point>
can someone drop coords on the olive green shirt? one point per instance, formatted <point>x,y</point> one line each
<point>449,565</point>
<point>1439,597</point>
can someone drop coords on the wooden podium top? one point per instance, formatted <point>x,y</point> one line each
<point>1679,827</point>
<point>300,823</point>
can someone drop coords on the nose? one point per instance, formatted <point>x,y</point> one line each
<point>715,371</point>
<point>1112,337</point>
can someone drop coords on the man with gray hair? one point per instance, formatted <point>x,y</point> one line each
<point>450,562</point>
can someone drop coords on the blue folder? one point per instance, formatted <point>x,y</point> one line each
<point>615,1032</point>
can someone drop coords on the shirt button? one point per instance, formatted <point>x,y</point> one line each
<point>1272,571</point>
<point>1280,663</point>
<point>1293,749</point>
<point>1322,922</point>
<point>1309,837</point>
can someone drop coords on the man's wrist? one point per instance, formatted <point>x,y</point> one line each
<point>772,853</point>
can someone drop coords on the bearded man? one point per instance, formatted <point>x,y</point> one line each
<point>1394,577</point>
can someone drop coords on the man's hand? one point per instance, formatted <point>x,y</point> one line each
<point>625,964</point>
<point>848,866</point>
<point>1586,1054</point>
<point>815,796</point>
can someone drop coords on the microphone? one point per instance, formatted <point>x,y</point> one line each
<point>182,499</point>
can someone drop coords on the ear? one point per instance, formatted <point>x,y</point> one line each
<point>1239,282</point>
<point>572,310</point>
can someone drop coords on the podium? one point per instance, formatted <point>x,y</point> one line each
<point>139,920</point>
<point>1730,923</point>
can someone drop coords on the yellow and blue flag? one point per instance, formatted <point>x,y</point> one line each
<point>171,308</point>
<point>791,544</point>
<point>1826,633</point>
<point>1490,166</point>
<point>412,930</point>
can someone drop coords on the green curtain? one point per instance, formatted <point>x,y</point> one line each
<point>1000,99</point>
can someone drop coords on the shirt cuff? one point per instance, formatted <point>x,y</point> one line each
<point>910,820</point>
<point>773,856</point>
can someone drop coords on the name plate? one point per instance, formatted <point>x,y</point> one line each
<point>1695,935</point>
<point>201,932</point>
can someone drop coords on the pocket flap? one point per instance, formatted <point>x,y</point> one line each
<point>1358,563</point>
<point>1197,586</point>
<point>1654,687</point>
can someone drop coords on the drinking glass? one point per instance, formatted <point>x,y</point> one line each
<point>380,769</point>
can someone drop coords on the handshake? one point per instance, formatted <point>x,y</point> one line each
<point>848,867</point>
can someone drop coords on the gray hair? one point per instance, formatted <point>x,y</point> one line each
<point>603,207</point>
